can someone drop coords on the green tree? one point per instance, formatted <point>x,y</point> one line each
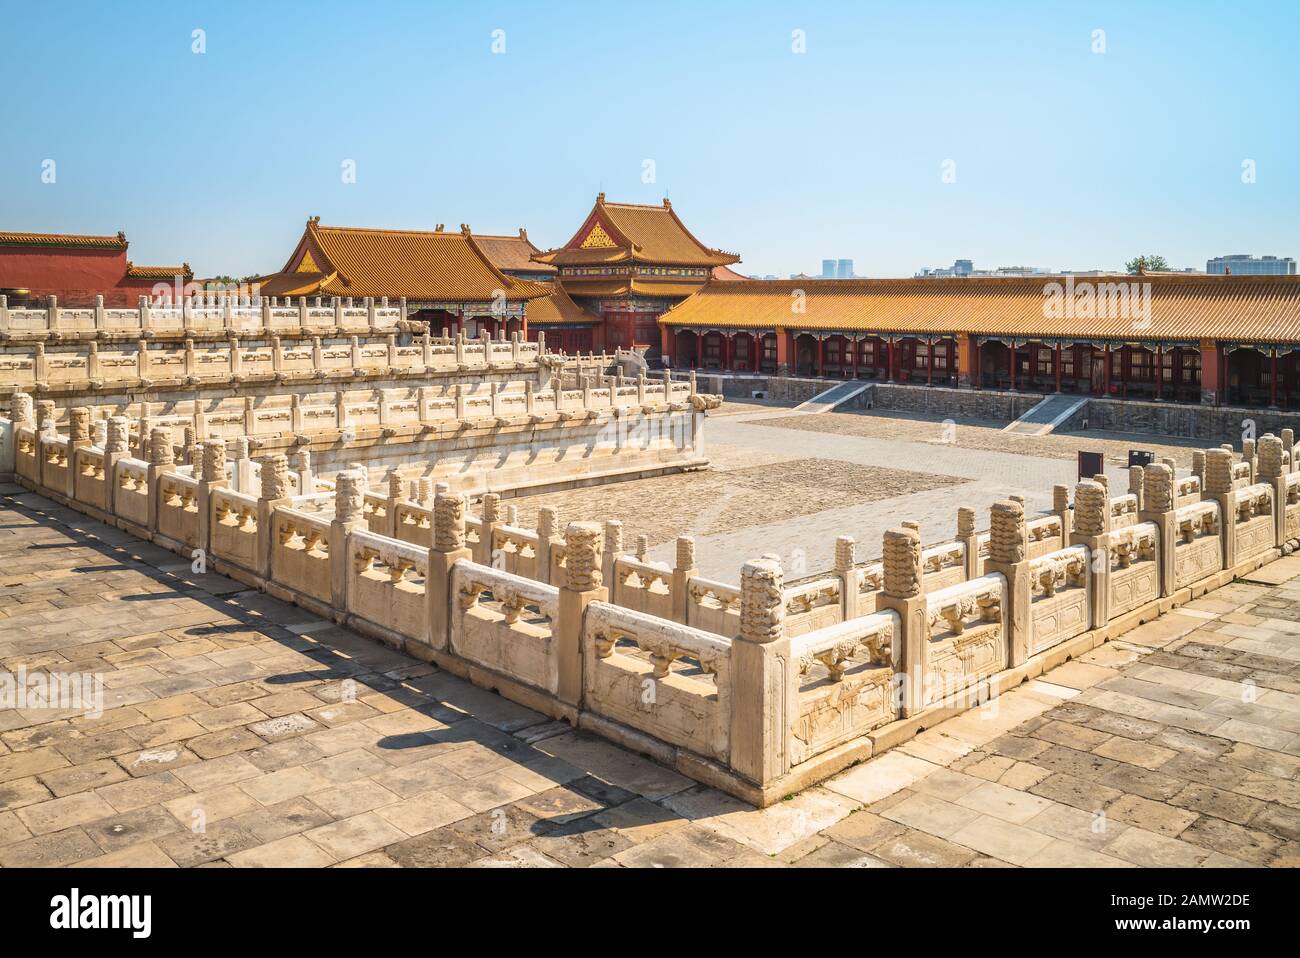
<point>1147,263</point>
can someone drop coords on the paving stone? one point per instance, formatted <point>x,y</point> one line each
<point>440,848</point>
<point>291,852</point>
<point>1153,816</point>
<point>1247,844</point>
<point>1077,792</point>
<point>1216,802</point>
<point>912,848</point>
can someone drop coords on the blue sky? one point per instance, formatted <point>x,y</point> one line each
<point>1064,158</point>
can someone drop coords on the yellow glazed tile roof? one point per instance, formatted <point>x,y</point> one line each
<point>422,266</point>
<point>557,308</point>
<point>617,232</point>
<point>511,252</point>
<point>1182,307</point>
<point>117,242</point>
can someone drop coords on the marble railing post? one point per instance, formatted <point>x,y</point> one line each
<point>491,519</point>
<point>764,693</point>
<point>396,496</point>
<point>684,569</point>
<point>1288,446</point>
<point>1092,529</point>
<point>582,585</point>
<point>349,517</point>
<point>447,547</point>
<point>275,492</point>
<point>1160,488</point>
<point>1219,487</point>
<point>78,438</point>
<point>545,537</point>
<point>161,459</point>
<point>1009,555</point>
<point>904,593</point>
<point>611,553</point>
<point>117,446</point>
<point>845,559</point>
<point>1269,458</point>
<point>1135,476</point>
<point>1248,455</point>
<point>969,538</point>
<point>211,473</point>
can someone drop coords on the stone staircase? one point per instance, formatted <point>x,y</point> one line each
<point>837,395</point>
<point>1047,415</point>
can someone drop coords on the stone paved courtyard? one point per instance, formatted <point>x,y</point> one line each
<point>295,742</point>
<point>772,484</point>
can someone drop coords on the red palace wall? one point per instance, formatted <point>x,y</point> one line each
<point>75,276</point>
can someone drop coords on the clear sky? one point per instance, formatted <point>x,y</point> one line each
<point>1063,157</point>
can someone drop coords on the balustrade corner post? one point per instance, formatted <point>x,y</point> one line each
<point>1288,447</point>
<point>1198,467</point>
<point>845,561</point>
<point>904,592</point>
<point>1248,455</point>
<point>275,492</point>
<point>1220,487</point>
<point>612,552</point>
<point>211,474</point>
<point>582,585</point>
<point>546,518</point>
<point>484,553</point>
<point>1092,529</point>
<point>764,679</point>
<point>684,569</point>
<point>1160,495</point>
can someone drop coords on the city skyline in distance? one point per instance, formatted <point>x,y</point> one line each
<point>1075,167</point>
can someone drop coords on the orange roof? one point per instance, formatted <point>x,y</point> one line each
<point>725,274</point>
<point>618,232</point>
<point>1182,307</point>
<point>557,308</point>
<point>422,266</point>
<point>158,272</point>
<point>117,242</point>
<point>511,253</point>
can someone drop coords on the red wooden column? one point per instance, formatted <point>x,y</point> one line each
<point>977,376</point>
<point>1272,380</point>
<point>1056,364</point>
<point>889,360</point>
<point>820,341</point>
<point>1160,372</point>
<point>1011,352</point>
<point>1105,383</point>
<point>854,346</point>
<point>929,363</point>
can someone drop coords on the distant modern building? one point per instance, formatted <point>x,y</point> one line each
<point>844,269</point>
<point>828,269</point>
<point>1243,264</point>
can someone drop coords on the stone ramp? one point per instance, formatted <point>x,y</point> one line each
<point>828,400</point>
<point>1047,415</point>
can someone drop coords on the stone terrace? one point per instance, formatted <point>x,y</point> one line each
<point>298,743</point>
